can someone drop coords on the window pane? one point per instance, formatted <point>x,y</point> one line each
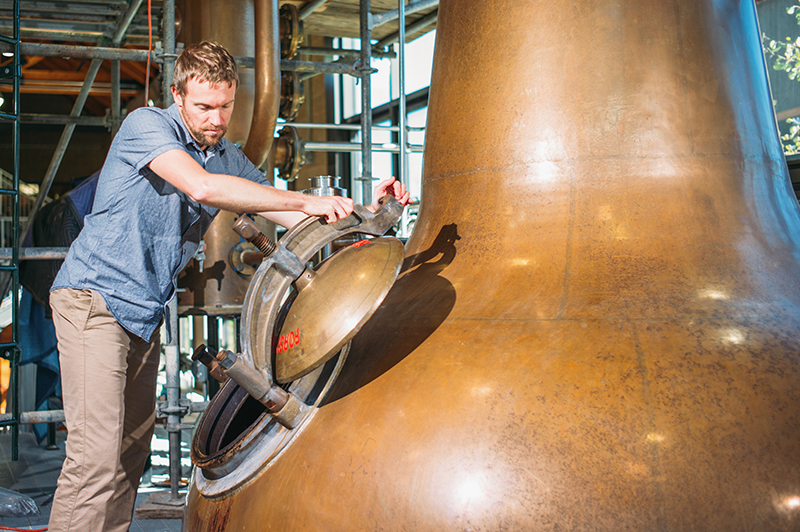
<point>419,61</point>
<point>416,119</point>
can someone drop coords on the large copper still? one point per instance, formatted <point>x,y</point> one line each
<point>598,322</point>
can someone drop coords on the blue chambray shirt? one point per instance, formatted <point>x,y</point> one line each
<point>142,230</point>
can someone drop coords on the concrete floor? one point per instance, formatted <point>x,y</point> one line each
<point>36,472</point>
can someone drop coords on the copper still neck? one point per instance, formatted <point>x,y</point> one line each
<point>608,160</point>
<point>246,28</point>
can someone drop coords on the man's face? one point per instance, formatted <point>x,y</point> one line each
<point>206,110</point>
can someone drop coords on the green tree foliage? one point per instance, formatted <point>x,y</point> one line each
<point>786,56</point>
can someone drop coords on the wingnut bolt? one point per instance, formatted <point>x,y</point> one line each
<point>214,368</point>
<point>246,229</point>
<point>226,358</point>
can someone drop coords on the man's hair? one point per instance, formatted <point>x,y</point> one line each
<point>206,61</point>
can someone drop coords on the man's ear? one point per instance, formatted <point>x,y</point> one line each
<point>176,96</point>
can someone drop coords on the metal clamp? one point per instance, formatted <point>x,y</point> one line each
<point>284,264</point>
<point>272,280</point>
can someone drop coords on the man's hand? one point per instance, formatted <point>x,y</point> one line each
<point>331,207</point>
<point>393,187</point>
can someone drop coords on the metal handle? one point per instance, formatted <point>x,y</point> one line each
<point>284,406</point>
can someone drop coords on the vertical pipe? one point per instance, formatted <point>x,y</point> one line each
<point>15,353</point>
<point>366,104</point>
<point>115,98</point>
<point>401,58</point>
<point>169,49</point>
<point>212,336</point>
<point>51,432</point>
<point>198,338</point>
<point>172,351</point>
<point>268,82</point>
<point>173,399</point>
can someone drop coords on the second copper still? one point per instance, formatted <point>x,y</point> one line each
<point>246,28</point>
<point>598,322</point>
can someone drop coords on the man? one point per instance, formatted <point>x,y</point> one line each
<point>167,174</point>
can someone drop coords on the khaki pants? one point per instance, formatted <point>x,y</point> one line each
<point>108,378</point>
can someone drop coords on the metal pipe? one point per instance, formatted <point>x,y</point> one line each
<point>173,387</point>
<point>35,118</point>
<point>341,61</point>
<point>388,16</point>
<point>347,127</point>
<point>125,21</point>
<point>83,37</point>
<point>310,7</point>
<point>267,82</point>
<point>198,336</point>
<point>82,52</point>
<point>168,8</point>
<point>344,52</point>
<point>116,104</point>
<point>125,54</point>
<point>318,68</point>
<point>85,25</point>
<point>417,25</point>
<point>402,160</point>
<point>83,9</point>
<point>72,88</point>
<point>32,418</point>
<point>15,351</point>
<point>171,351</point>
<point>35,253</point>
<point>390,147</point>
<point>366,104</point>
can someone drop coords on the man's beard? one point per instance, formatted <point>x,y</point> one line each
<point>203,140</point>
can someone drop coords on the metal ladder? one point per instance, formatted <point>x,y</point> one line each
<point>11,349</point>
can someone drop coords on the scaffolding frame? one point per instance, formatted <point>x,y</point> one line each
<point>360,67</point>
<point>11,349</point>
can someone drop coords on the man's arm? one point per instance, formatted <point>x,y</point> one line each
<point>285,219</point>
<point>387,186</point>
<point>236,194</point>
